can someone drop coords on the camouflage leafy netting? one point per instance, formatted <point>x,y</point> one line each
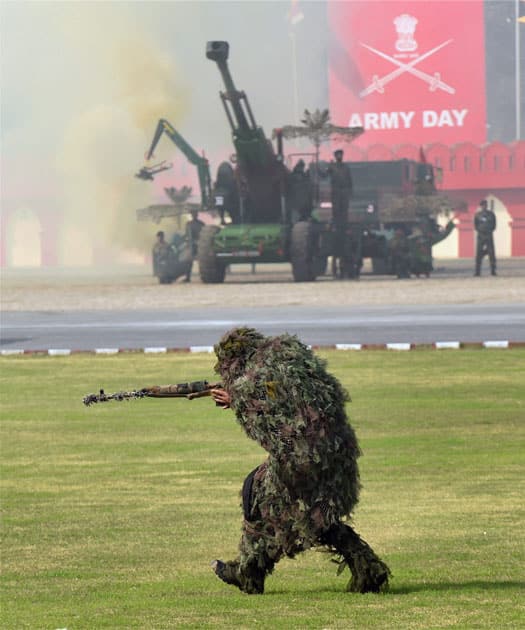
<point>287,402</point>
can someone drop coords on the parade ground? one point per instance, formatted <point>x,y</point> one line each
<point>113,513</point>
<point>134,287</point>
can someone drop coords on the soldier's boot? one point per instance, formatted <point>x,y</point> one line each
<point>369,573</point>
<point>249,579</point>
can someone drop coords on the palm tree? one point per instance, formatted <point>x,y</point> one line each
<point>318,129</point>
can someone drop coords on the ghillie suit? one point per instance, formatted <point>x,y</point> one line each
<point>287,402</point>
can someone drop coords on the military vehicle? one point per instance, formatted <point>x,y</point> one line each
<point>388,197</point>
<point>280,215</point>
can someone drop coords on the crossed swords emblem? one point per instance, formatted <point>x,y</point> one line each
<point>434,80</point>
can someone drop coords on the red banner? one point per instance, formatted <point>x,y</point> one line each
<point>409,71</point>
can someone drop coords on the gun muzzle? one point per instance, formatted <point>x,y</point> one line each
<point>217,51</point>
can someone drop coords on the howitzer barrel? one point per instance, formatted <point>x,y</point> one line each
<point>260,169</point>
<point>218,51</point>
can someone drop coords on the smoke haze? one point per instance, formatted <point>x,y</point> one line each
<point>102,146</point>
<point>124,84</point>
<point>84,84</point>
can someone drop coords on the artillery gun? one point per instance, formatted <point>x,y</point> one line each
<point>253,194</point>
<point>268,223</point>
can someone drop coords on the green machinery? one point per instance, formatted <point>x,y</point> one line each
<point>179,197</point>
<point>200,162</point>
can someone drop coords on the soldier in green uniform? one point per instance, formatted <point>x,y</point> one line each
<point>353,260</point>
<point>485,224</point>
<point>162,255</point>
<point>284,399</point>
<point>193,230</point>
<point>341,188</point>
<point>420,247</point>
<point>400,254</point>
<point>423,237</point>
<point>300,193</point>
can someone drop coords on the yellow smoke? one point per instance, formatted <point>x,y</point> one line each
<point>132,84</point>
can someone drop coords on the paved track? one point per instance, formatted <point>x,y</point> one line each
<point>88,330</point>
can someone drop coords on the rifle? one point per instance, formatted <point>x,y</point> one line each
<point>194,389</point>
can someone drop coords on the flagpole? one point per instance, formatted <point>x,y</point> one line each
<point>294,79</point>
<point>518,70</point>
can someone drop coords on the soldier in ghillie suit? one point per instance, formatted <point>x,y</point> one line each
<point>285,400</point>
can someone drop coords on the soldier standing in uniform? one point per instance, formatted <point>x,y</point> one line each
<point>485,224</point>
<point>284,398</point>
<point>300,193</point>
<point>341,192</point>
<point>193,230</point>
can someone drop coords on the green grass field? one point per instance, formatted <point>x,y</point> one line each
<point>112,514</point>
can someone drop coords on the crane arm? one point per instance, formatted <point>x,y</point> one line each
<point>166,127</point>
<point>200,162</point>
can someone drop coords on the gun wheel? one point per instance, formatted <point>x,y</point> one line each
<point>212,270</point>
<point>303,252</point>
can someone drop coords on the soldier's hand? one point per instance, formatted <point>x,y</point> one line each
<point>221,398</point>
